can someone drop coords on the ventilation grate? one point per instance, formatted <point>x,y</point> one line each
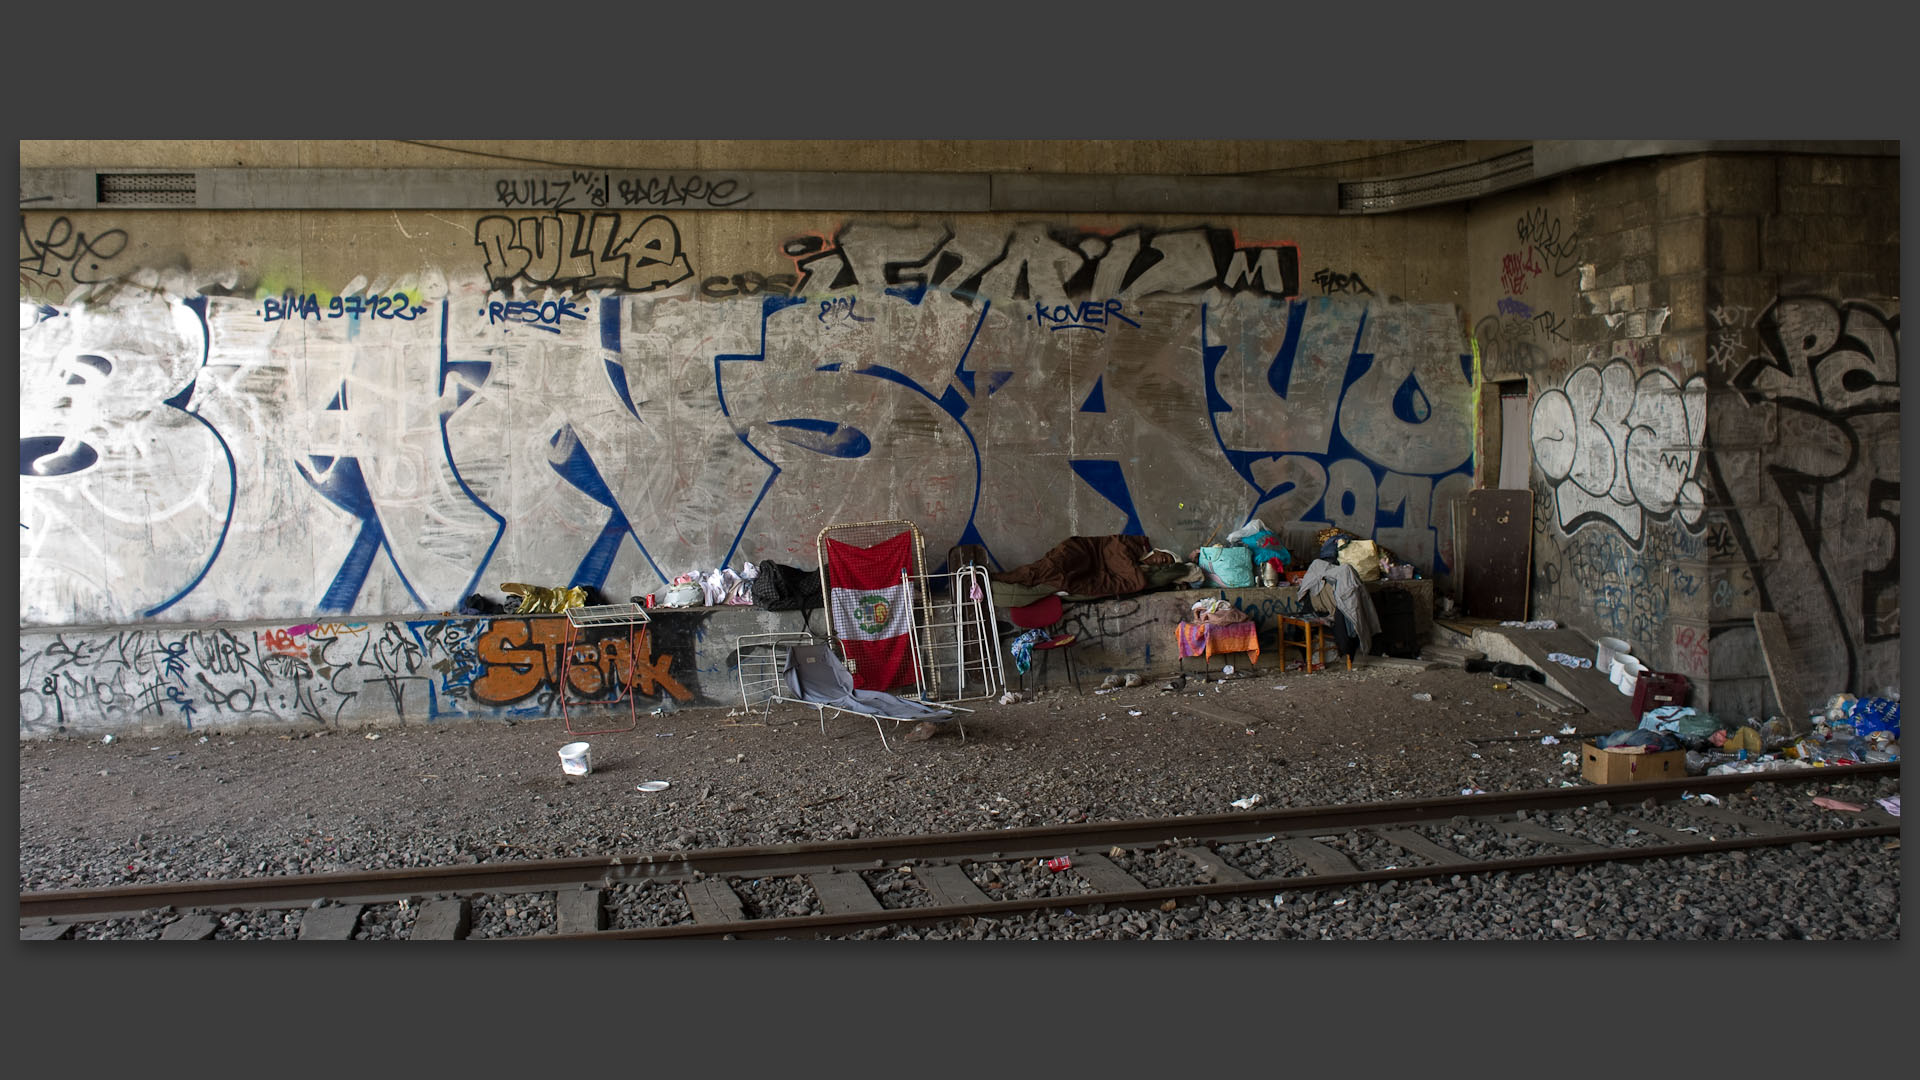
<point>1447,185</point>
<point>145,189</point>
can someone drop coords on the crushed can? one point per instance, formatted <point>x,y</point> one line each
<point>1058,864</point>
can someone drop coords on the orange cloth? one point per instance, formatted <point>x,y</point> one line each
<point>1198,639</point>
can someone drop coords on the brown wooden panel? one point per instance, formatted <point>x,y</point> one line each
<point>1783,668</point>
<point>1497,538</point>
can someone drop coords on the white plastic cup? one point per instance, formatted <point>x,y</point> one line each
<point>576,759</point>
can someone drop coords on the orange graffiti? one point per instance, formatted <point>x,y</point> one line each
<point>522,655</point>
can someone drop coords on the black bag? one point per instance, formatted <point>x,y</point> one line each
<point>778,587</point>
<point>1396,636</point>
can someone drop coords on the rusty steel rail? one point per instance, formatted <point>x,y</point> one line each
<point>376,886</point>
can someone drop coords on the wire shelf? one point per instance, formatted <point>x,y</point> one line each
<point>609,615</point>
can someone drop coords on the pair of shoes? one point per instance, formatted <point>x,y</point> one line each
<point>924,730</point>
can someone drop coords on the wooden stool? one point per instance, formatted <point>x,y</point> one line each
<point>1311,639</point>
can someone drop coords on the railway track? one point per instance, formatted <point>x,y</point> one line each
<point>840,887</point>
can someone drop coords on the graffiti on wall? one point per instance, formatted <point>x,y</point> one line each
<point>318,673</point>
<point>1826,380</point>
<point>576,187</point>
<point>59,259</point>
<point>185,456</point>
<point>1345,413</point>
<point>570,250</point>
<point>1613,585</point>
<point>1043,263</point>
<point>1619,444</point>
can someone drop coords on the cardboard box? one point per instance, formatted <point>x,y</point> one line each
<point>1613,767</point>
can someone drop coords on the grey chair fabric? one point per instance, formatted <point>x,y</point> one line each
<point>816,677</point>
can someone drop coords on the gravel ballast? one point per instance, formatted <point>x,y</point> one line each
<point>217,804</point>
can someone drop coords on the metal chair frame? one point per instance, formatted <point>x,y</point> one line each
<point>974,634</point>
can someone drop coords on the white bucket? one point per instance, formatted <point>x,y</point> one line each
<point>1611,649</point>
<point>1624,671</point>
<point>576,759</point>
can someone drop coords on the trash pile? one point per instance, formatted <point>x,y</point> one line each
<point>1849,731</point>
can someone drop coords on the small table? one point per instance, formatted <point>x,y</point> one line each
<point>1205,639</point>
<point>1311,640</point>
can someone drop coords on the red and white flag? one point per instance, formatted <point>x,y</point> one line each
<point>869,609</point>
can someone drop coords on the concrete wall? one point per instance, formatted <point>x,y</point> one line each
<point>1710,345</point>
<point>241,416</point>
<point>1802,339</point>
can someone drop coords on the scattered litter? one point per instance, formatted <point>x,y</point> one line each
<point>653,785</point>
<point>1837,804</point>
<point>1340,901</point>
<point>1135,712</point>
<point>1502,686</point>
<point>1473,755</point>
<point>1891,805</point>
<point>1169,905</point>
<point>1570,758</point>
<point>1569,661</point>
<point>1133,679</point>
<point>203,738</point>
<point>1280,686</point>
<point>1711,800</point>
<point>1548,740</point>
<point>664,734</point>
<point>1226,669</point>
<point>106,738</point>
<point>1472,790</point>
<point>1250,731</point>
<point>1569,730</point>
<point>1265,839</point>
<point>1117,851</point>
<point>1011,697</point>
<point>1059,864</point>
<point>1247,803</point>
<point>1534,624</point>
<point>1106,690</point>
<point>371,735</point>
<point>1423,697</point>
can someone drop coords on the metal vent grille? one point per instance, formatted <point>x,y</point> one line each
<point>1447,185</point>
<point>145,189</point>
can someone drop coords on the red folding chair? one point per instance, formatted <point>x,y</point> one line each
<point>1044,614</point>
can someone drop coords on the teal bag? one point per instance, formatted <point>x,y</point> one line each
<point>1228,567</point>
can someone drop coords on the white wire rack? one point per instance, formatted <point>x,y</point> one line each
<point>630,616</point>
<point>762,663</point>
<point>954,635</point>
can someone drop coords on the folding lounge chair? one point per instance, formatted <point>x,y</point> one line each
<point>816,678</point>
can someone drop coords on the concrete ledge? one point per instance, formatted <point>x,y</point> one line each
<point>323,673</point>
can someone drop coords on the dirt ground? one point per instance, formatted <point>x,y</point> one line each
<point>214,804</point>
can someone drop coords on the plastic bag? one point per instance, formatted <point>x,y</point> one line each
<point>1228,567</point>
<point>1364,557</point>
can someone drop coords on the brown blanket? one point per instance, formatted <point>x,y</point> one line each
<point>1086,566</point>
